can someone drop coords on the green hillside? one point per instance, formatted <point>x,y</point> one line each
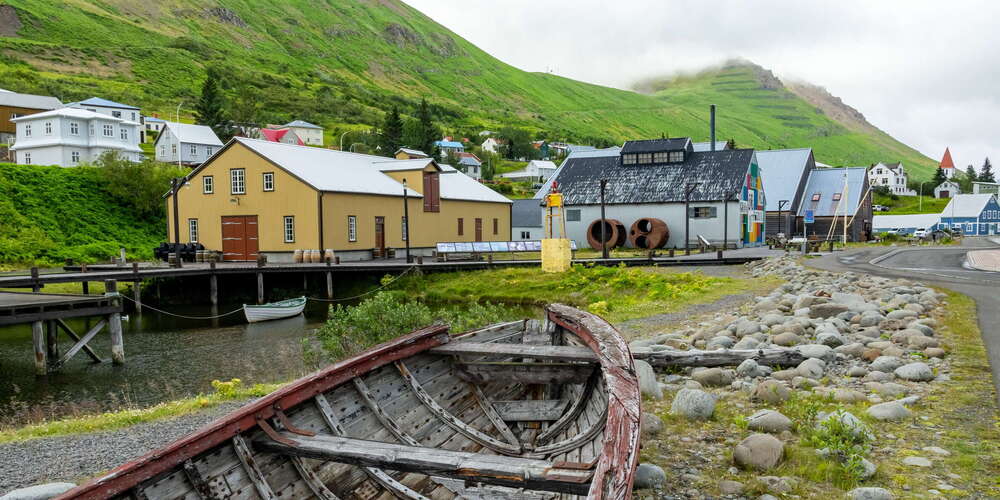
<point>342,63</point>
<point>49,214</point>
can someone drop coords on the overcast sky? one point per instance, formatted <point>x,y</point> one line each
<point>925,72</point>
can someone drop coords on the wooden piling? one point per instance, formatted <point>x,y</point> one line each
<point>35,285</point>
<point>137,288</point>
<point>51,340</point>
<point>86,287</point>
<point>38,341</point>
<point>213,287</point>
<point>329,285</point>
<point>260,288</point>
<point>115,327</point>
<point>305,281</point>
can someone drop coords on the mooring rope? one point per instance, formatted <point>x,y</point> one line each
<point>234,311</point>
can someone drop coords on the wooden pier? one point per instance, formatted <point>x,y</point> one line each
<point>46,314</point>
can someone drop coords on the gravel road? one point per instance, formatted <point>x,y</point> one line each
<point>79,457</point>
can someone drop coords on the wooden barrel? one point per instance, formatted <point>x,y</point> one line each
<point>297,256</point>
<point>649,233</point>
<point>328,255</point>
<point>172,258</point>
<point>315,257</point>
<point>614,234</point>
<point>199,256</point>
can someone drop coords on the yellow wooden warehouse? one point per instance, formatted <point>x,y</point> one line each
<point>258,197</point>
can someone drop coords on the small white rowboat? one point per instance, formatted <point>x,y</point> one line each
<point>274,310</point>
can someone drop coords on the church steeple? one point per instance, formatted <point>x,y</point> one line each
<point>947,165</point>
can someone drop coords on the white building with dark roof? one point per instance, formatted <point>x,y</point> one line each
<point>186,144</point>
<point>892,176</point>
<point>68,137</point>
<point>310,134</point>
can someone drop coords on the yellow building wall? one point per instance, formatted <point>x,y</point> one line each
<point>290,197</point>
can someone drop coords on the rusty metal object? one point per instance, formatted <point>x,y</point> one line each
<point>614,233</point>
<point>649,233</point>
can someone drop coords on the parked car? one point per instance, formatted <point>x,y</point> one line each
<point>921,233</point>
<point>880,208</point>
<point>895,230</point>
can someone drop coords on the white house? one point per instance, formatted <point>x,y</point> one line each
<point>526,220</point>
<point>492,145</point>
<point>535,171</point>
<point>112,108</point>
<point>947,189</point>
<point>892,176</point>
<point>194,143</point>
<point>70,136</point>
<point>153,124</point>
<point>309,134</point>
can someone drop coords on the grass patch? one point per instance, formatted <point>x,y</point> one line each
<point>904,205</point>
<point>225,391</point>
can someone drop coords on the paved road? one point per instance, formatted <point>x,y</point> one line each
<point>943,267</point>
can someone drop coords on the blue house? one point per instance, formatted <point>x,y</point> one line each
<point>972,214</point>
<point>449,147</point>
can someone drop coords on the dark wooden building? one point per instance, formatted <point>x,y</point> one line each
<point>829,198</point>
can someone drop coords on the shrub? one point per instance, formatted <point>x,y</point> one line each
<point>138,185</point>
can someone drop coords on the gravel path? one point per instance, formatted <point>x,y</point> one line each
<point>79,457</point>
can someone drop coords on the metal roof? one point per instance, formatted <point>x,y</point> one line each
<point>526,213</point>
<point>30,101</point>
<point>82,114</point>
<point>458,186</point>
<point>707,146</point>
<point>966,205</point>
<point>656,145</point>
<point>586,153</point>
<point>449,144</point>
<point>97,101</point>
<point>194,134</point>
<point>302,124</point>
<point>782,171</point>
<point>717,174</point>
<point>412,152</point>
<point>469,160</point>
<point>828,181</point>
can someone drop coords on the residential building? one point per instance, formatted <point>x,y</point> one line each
<point>905,224</point>
<point>542,147</point>
<point>449,146</point>
<point>972,214</point>
<point>526,220</point>
<point>947,189</point>
<point>534,171</point>
<point>310,134</point>
<point>786,172</point>
<point>70,136</point>
<point>112,108</point>
<point>891,175</point>
<point>410,154</point>
<point>284,136</point>
<point>649,179</point>
<point>947,164</point>
<point>152,124</point>
<point>470,165</point>
<point>492,145</point>
<point>273,198</point>
<point>707,146</point>
<point>186,144</point>
<point>14,105</point>
<point>829,198</point>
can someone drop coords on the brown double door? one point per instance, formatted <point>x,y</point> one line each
<point>380,236</point>
<point>239,237</point>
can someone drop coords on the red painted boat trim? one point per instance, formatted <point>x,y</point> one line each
<point>619,456</point>
<point>132,474</point>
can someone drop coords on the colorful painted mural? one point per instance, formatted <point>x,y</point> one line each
<point>752,207</point>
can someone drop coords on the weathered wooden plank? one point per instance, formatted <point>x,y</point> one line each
<point>545,352</point>
<point>309,477</point>
<point>481,372</point>
<point>531,410</point>
<point>723,357</point>
<point>452,421</point>
<point>492,415</point>
<point>477,467</point>
<point>195,478</point>
<point>81,343</point>
<point>250,467</point>
<point>574,411</point>
<point>584,434</point>
<point>86,348</point>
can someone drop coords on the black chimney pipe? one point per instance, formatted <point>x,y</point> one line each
<point>712,124</point>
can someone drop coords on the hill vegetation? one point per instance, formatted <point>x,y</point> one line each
<point>345,63</point>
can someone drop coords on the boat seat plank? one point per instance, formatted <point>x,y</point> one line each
<point>545,352</point>
<point>532,410</point>
<point>477,467</point>
<point>526,373</point>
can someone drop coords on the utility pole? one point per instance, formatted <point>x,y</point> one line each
<point>406,222</point>
<point>177,134</point>
<point>175,187</point>
<point>688,189</point>
<point>604,222</point>
<point>781,204</point>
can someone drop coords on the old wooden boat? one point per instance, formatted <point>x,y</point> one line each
<point>522,410</point>
<point>274,310</point>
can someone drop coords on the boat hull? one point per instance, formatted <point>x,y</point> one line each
<point>268,312</point>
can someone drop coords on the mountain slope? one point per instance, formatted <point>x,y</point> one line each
<point>761,111</point>
<point>342,63</point>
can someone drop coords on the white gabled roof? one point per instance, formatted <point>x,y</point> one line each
<point>391,165</point>
<point>966,205</point>
<point>194,134</point>
<point>82,114</point>
<point>30,101</point>
<point>458,186</point>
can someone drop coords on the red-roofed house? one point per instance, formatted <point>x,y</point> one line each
<point>284,136</point>
<point>947,165</point>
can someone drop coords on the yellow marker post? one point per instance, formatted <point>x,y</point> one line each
<point>557,255</point>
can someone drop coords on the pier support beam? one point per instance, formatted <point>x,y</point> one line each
<point>260,288</point>
<point>136,287</point>
<point>52,340</point>
<point>329,285</point>
<point>86,287</point>
<point>213,289</point>
<point>115,327</point>
<point>38,342</point>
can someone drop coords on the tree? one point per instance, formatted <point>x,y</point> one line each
<point>392,132</point>
<point>517,144</point>
<point>428,132</point>
<point>139,185</point>
<point>986,173</point>
<point>939,177</point>
<point>967,179</point>
<point>209,108</point>
<point>245,110</point>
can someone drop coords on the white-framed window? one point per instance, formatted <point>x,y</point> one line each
<point>91,127</point>
<point>75,156</point>
<point>124,134</point>
<point>208,151</point>
<point>525,235</point>
<point>133,116</point>
<point>74,128</point>
<point>163,150</point>
<point>118,114</point>
<point>193,230</point>
<point>27,130</point>
<point>404,229</point>
<point>352,228</point>
<point>660,157</point>
<point>676,156</point>
<point>237,181</point>
<point>268,181</point>
<point>628,159</point>
<point>704,212</point>
<point>109,130</point>
<point>48,128</point>
<point>27,158</point>
<point>173,149</point>
<point>289,229</point>
<point>207,184</point>
<point>970,228</point>
<point>194,150</point>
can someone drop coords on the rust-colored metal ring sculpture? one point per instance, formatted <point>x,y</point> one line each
<point>649,233</point>
<point>614,233</point>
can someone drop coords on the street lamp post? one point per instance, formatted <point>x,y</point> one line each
<point>688,189</point>
<point>604,223</point>
<point>342,139</point>
<point>175,187</point>
<point>920,203</point>
<point>406,222</point>
<point>781,204</point>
